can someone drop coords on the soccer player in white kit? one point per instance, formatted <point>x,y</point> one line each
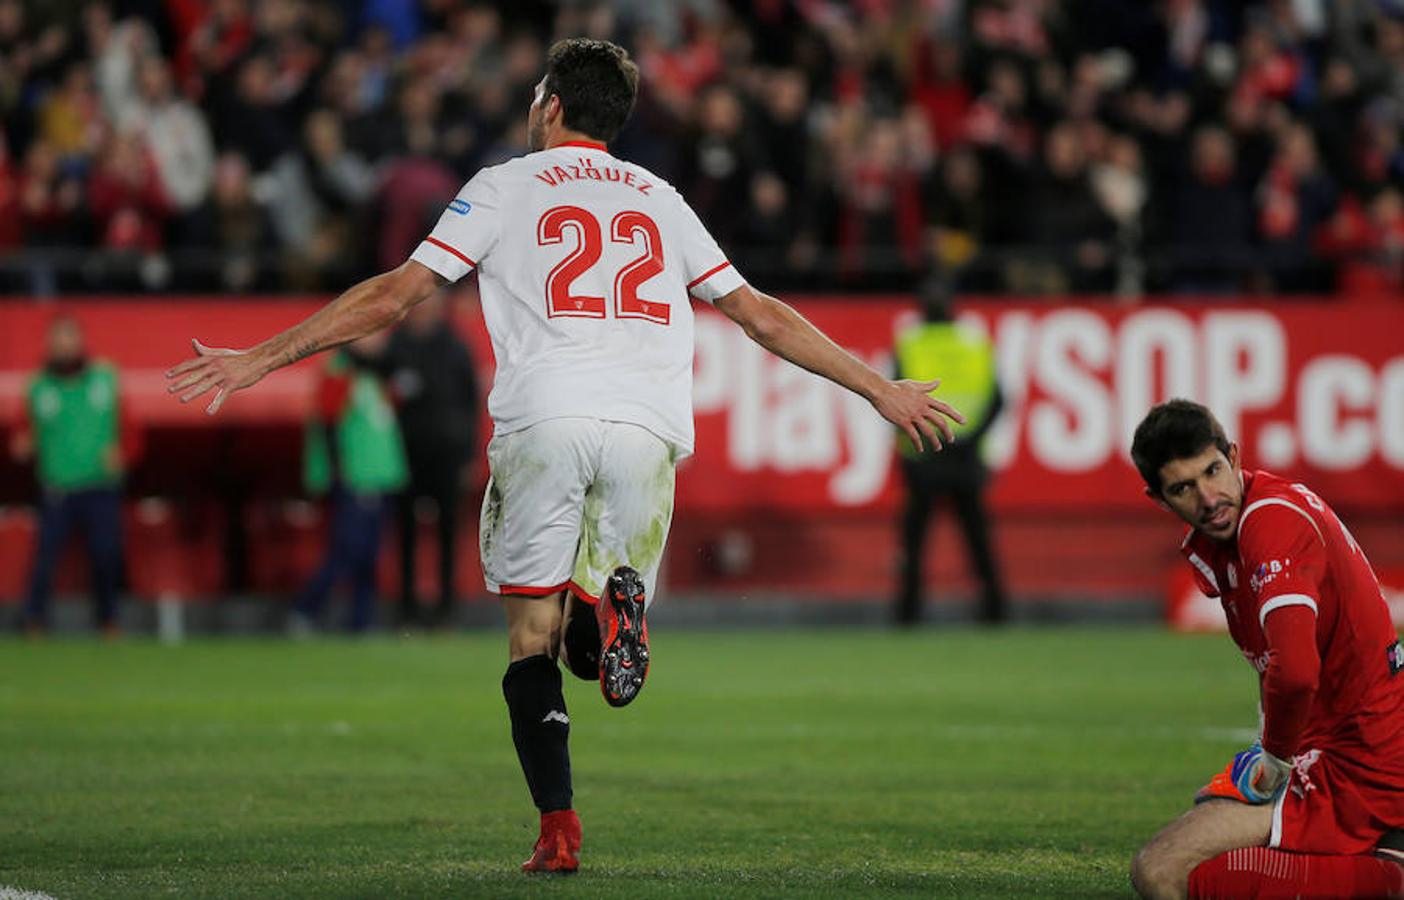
<point>585,266</point>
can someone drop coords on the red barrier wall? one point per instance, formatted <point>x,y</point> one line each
<point>1316,390</point>
<point>792,486</point>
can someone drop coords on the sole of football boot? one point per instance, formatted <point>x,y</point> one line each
<point>624,637</point>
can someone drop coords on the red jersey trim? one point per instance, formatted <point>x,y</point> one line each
<point>593,145</point>
<point>708,274</point>
<point>531,591</point>
<point>1282,600</point>
<point>580,592</point>
<point>447,249</point>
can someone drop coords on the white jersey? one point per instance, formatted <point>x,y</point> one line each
<point>585,265</point>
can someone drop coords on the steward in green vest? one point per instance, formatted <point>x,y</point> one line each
<point>73,431</point>
<point>963,358</point>
<point>354,442</point>
<point>73,415</point>
<point>354,451</point>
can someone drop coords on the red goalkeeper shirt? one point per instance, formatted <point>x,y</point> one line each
<point>1305,608</point>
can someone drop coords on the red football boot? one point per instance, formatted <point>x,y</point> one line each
<point>623,637</point>
<point>558,847</point>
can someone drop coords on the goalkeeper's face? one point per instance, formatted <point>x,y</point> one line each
<point>1205,490</point>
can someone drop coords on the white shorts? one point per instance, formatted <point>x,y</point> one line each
<point>571,500</point>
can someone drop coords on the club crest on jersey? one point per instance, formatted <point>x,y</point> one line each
<point>460,206</point>
<point>1395,653</point>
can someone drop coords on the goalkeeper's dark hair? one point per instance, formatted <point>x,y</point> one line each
<point>1176,429</point>
<point>597,84</point>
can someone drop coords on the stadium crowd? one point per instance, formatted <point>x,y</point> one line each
<point>1025,146</point>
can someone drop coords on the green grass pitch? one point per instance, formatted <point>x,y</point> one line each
<point>767,763</point>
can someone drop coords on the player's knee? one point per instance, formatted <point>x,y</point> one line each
<point>1156,877</point>
<point>531,638</point>
<point>522,646</point>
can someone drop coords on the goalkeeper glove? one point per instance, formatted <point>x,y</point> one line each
<point>1255,777</point>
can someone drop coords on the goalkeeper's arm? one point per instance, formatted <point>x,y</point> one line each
<point>1291,678</point>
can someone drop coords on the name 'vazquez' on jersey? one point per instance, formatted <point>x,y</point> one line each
<point>585,265</point>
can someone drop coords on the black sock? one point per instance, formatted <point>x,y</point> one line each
<point>540,729</point>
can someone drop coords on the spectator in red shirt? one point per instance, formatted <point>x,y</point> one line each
<point>999,117</point>
<point>942,91</point>
<point>49,198</point>
<point>1368,241</point>
<point>128,203</point>
<point>11,230</point>
<point>1294,198</point>
<point>880,227</point>
<point>1268,70</point>
<point>211,36</point>
<point>412,193</point>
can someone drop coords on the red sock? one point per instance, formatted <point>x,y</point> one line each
<point>1261,873</point>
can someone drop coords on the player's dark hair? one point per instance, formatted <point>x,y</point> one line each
<point>597,84</point>
<point>1176,429</point>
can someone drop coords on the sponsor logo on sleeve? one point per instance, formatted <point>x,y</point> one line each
<point>460,206</point>
<point>1259,661</point>
<point>1267,572</point>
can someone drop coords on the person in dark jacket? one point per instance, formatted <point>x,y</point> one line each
<point>436,391</point>
<point>958,474</point>
<point>1211,218</point>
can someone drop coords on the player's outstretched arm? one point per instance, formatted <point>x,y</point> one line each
<point>363,309</point>
<point>779,328</point>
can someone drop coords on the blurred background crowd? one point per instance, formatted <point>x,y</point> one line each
<point>1018,146</point>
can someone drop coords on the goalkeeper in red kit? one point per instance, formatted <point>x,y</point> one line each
<point>1302,812</point>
